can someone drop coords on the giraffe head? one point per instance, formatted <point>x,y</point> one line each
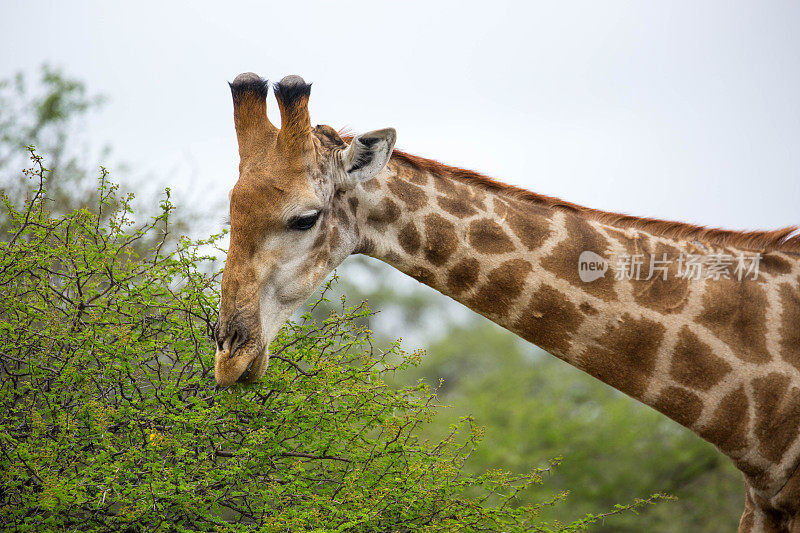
<point>287,231</point>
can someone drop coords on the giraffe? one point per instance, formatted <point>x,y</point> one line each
<point>718,354</point>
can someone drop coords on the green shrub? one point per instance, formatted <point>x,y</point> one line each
<point>110,419</point>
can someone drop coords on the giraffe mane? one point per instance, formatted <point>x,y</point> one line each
<point>784,240</point>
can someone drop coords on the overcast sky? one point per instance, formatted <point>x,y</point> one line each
<point>682,110</point>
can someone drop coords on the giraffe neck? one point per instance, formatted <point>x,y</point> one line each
<point>721,357</point>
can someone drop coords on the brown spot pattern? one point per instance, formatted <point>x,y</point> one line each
<point>563,261</point>
<point>694,363</point>
<point>440,239</point>
<point>463,275</point>
<point>500,207</point>
<point>414,197</point>
<point>681,405</point>
<point>659,294</point>
<point>336,238</point>
<point>320,240</point>
<point>456,206</point>
<point>625,356</point>
<point>777,414</point>
<point>527,222</point>
<point>790,323</point>
<point>418,176</point>
<point>445,186</point>
<point>393,258</point>
<point>503,286</point>
<point>549,320</point>
<point>749,468</point>
<point>371,185</point>
<point>409,238</point>
<point>383,214</point>
<point>353,202</point>
<point>366,246</point>
<point>341,215</point>
<point>735,311</point>
<point>774,264</point>
<point>487,237</point>
<point>728,427</point>
<point>423,275</point>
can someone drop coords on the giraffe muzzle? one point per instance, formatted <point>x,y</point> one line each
<point>244,366</point>
<point>239,357</point>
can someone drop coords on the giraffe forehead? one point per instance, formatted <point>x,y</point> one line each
<point>262,204</point>
<point>278,181</point>
<point>252,216</point>
<point>285,169</point>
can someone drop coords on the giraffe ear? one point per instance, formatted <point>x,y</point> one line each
<point>366,156</point>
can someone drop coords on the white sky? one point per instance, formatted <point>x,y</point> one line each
<point>685,110</point>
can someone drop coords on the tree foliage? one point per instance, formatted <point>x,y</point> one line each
<point>109,418</point>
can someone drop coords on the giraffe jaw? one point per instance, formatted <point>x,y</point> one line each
<point>255,369</point>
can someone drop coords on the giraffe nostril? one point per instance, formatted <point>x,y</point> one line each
<point>232,341</point>
<point>229,336</point>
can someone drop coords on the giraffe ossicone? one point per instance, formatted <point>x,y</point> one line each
<point>717,352</point>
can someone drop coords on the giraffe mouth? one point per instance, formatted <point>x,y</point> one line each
<point>255,369</point>
<point>240,366</point>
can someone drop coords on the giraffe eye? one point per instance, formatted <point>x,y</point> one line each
<point>304,222</point>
